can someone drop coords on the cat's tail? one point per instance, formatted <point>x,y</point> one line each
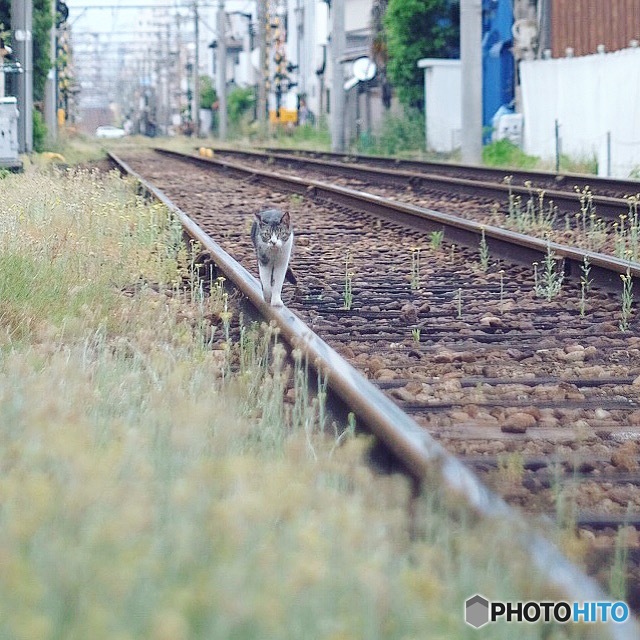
<point>291,277</point>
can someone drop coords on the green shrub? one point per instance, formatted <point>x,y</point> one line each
<point>307,136</point>
<point>239,101</point>
<point>583,164</point>
<point>503,153</point>
<point>397,134</point>
<point>207,93</point>
<point>39,132</point>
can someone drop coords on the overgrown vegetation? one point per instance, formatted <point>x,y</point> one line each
<point>39,132</point>
<point>208,94</point>
<point>503,153</point>
<point>308,136</point>
<point>239,101</point>
<point>42,23</point>
<point>397,134</point>
<point>157,482</point>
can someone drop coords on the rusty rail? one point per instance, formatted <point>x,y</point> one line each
<point>517,247</point>
<point>425,460</point>
<point>520,176</point>
<point>490,187</point>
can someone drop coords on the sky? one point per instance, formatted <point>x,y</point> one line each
<point>103,29</point>
<point>110,15</point>
<point>85,15</point>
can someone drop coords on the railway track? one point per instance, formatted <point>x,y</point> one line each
<point>541,400</point>
<point>501,186</point>
<point>578,215</point>
<point>516,246</point>
<point>613,187</point>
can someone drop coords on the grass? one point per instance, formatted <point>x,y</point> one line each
<point>503,153</point>
<point>74,149</point>
<point>157,480</point>
<point>397,135</point>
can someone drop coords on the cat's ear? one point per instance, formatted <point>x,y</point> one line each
<point>258,215</point>
<point>285,220</point>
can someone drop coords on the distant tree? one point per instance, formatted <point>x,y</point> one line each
<point>418,29</point>
<point>379,50</point>
<point>5,17</point>
<point>239,101</point>
<point>207,93</point>
<point>42,23</point>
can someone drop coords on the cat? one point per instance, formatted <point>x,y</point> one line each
<point>272,236</point>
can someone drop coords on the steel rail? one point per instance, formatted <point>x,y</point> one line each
<point>567,201</point>
<point>424,459</point>
<point>520,176</point>
<point>517,247</point>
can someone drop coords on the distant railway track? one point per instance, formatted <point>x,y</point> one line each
<point>614,187</point>
<point>482,182</point>
<point>521,248</point>
<point>541,400</point>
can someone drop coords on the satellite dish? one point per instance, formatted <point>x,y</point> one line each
<point>364,69</point>
<point>350,83</point>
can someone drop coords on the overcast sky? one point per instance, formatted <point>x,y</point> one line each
<point>110,15</point>
<point>113,15</point>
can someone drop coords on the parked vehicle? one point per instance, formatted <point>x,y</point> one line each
<point>109,131</point>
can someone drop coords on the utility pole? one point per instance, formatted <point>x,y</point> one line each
<point>21,25</point>
<point>471,59</point>
<point>51,86</point>
<point>195,109</point>
<point>338,44</point>
<point>222,72</point>
<point>5,50</point>
<point>263,63</point>
<point>168,74</point>
<point>180,62</point>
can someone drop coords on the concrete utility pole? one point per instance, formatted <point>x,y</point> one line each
<point>221,72</point>
<point>195,109</point>
<point>168,71</point>
<point>338,45</point>
<point>21,25</point>
<point>471,58</point>
<point>5,50</point>
<point>51,86</point>
<point>263,63</point>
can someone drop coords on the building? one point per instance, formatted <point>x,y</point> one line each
<point>583,27</point>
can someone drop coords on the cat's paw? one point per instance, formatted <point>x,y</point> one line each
<point>277,302</point>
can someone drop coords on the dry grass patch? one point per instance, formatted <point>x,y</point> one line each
<point>154,481</point>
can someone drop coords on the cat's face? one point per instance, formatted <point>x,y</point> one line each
<point>274,226</point>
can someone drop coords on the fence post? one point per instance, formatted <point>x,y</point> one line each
<point>557,147</point>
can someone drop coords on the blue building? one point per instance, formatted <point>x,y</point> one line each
<point>498,69</point>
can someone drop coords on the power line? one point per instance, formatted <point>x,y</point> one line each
<point>136,6</point>
<point>92,34</point>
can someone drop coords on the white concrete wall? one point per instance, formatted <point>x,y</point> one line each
<point>357,14</point>
<point>443,103</point>
<point>589,96</point>
<point>315,29</point>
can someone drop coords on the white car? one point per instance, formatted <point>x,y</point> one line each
<point>109,131</point>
